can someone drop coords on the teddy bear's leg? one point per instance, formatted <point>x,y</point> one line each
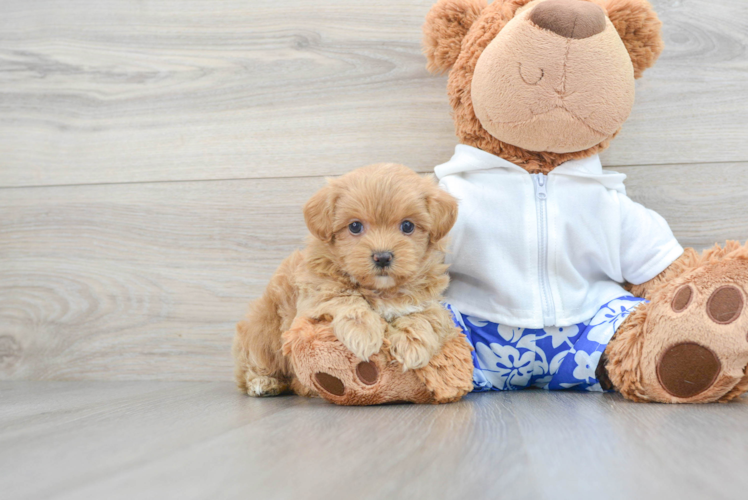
<point>449,374</point>
<point>689,344</point>
<point>324,366</point>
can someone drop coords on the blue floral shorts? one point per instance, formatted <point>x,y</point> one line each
<point>509,358</point>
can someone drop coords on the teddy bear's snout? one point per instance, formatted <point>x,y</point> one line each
<point>574,19</point>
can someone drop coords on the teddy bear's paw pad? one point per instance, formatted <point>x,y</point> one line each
<point>688,369</point>
<point>698,336</point>
<point>725,305</point>
<point>682,298</point>
<point>329,384</point>
<point>367,372</point>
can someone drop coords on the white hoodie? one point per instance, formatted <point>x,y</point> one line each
<point>535,250</point>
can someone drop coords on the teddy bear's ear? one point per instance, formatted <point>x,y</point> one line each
<point>639,28</point>
<point>447,23</point>
<point>319,213</point>
<point>442,207</point>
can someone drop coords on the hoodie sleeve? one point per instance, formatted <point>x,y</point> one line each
<point>648,246</point>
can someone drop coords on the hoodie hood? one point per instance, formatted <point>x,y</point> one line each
<point>469,159</point>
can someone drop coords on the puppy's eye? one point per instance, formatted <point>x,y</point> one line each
<point>407,227</point>
<point>355,227</point>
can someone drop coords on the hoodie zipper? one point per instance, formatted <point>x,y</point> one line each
<point>541,210</point>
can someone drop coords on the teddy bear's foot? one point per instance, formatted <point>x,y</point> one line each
<point>323,363</point>
<point>690,343</point>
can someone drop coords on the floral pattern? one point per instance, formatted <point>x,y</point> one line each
<point>509,358</point>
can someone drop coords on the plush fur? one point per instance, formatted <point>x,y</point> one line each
<point>447,23</point>
<point>335,281</point>
<point>633,355</point>
<point>630,17</point>
<point>639,28</point>
<point>541,91</point>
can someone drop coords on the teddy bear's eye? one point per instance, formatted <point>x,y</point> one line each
<point>531,76</point>
<point>407,227</point>
<point>355,227</point>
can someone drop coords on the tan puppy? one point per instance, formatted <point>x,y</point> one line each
<point>374,268</point>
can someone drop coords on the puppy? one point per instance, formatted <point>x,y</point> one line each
<point>374,268</point>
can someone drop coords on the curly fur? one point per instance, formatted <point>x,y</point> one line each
<point>335,279</point>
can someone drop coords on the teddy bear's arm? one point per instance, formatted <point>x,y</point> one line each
<point>681,264</point>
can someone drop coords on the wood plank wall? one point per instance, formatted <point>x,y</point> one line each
<point>154,156</point>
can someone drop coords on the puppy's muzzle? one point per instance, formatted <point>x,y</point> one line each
<point>382,259</point>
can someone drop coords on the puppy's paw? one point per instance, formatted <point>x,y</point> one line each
<point>411,353</point>
<point>361,331</point>
<point>265,386</point>
<point>413,341</point>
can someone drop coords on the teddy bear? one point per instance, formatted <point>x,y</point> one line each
<point>558,279</point>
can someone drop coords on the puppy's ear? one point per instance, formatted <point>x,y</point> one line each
<point>639,28</point>
<point>319,212</point>
<point>442,207</point>
<point>447,23</point>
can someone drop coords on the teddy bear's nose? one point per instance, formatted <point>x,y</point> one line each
<point>569,18</point>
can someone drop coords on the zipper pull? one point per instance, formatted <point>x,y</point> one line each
<point>541,182</point>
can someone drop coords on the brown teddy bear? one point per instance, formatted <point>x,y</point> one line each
<point>541,87</point>
<point>559,280</point>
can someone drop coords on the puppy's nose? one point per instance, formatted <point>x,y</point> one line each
<point>382,259</point>
<point>569,18</point>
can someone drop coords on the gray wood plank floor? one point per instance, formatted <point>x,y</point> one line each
<point>193,440</point>
<point>154,158</point>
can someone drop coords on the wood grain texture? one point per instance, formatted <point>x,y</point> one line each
<point>151,440</point>
<point>138,281</point>
<point>146,281</point>
<point>121,91</point>
<point>632,450</point>
<point>154,158</point>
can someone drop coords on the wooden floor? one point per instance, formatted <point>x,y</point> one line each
<point>154,159</point>
<point>185,440</point>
